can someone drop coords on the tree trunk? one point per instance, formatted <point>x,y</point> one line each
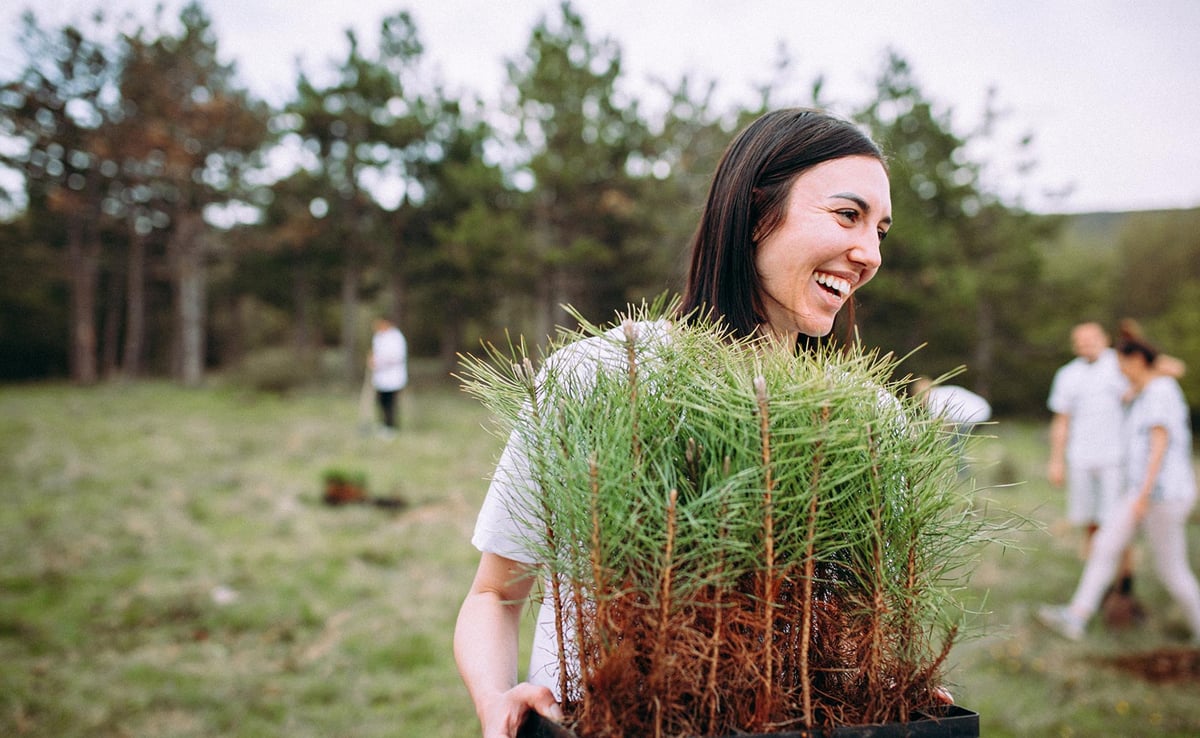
<point>398,291</point>
<point>397,282</point>
<point>985,346</point>
<point>83,266</point>
<point>233,344</point>
<point>450,342</point>
<point>302,303</point>
<point>547,283</point>
<point>186,246</point>
<point>350,350</point>
<point>133,357</point>
<point>110,346</point>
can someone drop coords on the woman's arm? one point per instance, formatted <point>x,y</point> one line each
<point>1158,449</point>
<point>485,648</point>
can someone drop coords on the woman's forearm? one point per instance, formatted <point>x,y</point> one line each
<point>1158,449</point>
<point>486,640</point>
<point>485,646</point>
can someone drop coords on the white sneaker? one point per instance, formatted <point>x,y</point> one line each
<point>1062,621</point>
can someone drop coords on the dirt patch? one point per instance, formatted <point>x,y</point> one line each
<point>1162,665</point>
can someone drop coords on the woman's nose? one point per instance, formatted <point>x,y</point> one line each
<point>866,252</point>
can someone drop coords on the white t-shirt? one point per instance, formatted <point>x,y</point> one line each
<point>1160,404</point>
<point>1090,393</point>
<point>389,351</point>
<point>503,526</point>
<point>957,404</point>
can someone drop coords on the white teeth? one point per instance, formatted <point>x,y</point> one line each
<point>841,286</point>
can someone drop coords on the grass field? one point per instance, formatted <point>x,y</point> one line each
<point>167,569</point>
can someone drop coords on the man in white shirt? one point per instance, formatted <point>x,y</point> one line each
<point>1085,442</point>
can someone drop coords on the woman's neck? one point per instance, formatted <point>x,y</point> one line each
<point>1139,379</point>
<point>788,340</point>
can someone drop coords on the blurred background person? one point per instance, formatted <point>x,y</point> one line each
<point>1085,447</point>
<point>388,362</point>
<point>958,407</point>
<point>1160,491</point>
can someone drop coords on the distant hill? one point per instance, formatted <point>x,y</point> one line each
<point>1099,232</point>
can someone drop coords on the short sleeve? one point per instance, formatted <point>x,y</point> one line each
<point>1158,408</point>
<point>1061,399</point>
<point>503,524</point>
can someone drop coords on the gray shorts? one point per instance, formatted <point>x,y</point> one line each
<point>1092,491</point>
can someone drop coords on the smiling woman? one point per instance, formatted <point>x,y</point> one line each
<point>791,229</point>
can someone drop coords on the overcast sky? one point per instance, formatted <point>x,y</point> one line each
<point>1109,88</point>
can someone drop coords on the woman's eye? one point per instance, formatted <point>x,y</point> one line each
<point>849,215</point>
<point>882,235</point>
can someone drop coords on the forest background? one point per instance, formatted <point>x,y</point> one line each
<point>171,224</point>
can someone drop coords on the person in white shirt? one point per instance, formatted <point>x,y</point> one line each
<point>1160,491</point>
<point>1085,398</point>
<point>1085,450</point>
<point>388,362</point>
<point>957,406</point>
<point>792,228</point>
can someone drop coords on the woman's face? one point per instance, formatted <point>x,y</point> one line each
<point>1133,366</point>
<point>827,245</point>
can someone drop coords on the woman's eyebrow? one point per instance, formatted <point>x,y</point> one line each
<point>861,203</point>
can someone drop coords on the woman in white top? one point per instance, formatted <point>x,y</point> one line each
<point>791,229</point>
<point>1160,490</point>
<point>388,362</point>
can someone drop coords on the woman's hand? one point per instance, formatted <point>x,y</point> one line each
<point>502,716</point>
<point>1140,506</point>
<point>1056,472</point>
<point>1159,438</point>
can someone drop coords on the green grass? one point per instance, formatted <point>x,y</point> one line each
<point>130,510</point>
<point>167,569</point>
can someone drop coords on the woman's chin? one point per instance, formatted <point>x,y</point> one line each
<point>816,329</point>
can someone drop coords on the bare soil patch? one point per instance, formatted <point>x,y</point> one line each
<point>1175,665</point>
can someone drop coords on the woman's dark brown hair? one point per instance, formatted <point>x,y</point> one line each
<point>747,201</point>
<point>1130,341</point>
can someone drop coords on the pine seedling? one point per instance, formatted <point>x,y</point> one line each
<point>736,538</point>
